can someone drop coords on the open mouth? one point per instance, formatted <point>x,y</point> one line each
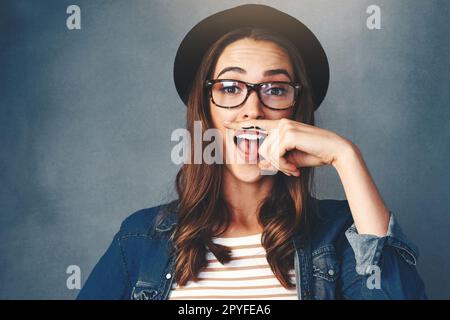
<point>248,143</point>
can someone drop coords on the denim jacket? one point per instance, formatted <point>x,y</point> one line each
<point>335,262</point>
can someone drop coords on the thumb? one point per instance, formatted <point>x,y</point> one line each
<point>266,168</point>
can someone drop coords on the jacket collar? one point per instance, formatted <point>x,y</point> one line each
<point>169,220</point>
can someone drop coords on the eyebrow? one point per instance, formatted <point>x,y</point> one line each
<point>277,71</point>
<point>266,73</point>
<point>228,69</point>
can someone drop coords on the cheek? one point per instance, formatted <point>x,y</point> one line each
<point>219,115</point>
<point>276,115</point>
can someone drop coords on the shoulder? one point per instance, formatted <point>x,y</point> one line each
<point>333,219</point>
<point>143,221</point>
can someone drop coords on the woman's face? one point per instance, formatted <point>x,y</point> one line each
<point>251,61</point>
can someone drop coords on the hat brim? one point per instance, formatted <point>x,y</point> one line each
<point>199,39</point>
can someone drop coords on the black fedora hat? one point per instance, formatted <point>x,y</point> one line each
<point>206,32</point>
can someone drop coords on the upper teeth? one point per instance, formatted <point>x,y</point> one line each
<point>250,136</point>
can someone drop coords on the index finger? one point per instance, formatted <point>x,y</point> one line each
<point>258,124</point>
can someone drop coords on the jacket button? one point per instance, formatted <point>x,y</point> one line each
<point>331,272</point>
<point>168,276</point>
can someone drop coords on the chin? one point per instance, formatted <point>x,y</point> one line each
<point>248,173</point>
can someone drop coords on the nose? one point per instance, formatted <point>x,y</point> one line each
<point>252,108</point>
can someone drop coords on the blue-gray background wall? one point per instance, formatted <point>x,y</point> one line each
<point>86,117</point>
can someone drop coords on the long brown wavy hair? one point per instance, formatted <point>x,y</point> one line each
<point>202,212</point>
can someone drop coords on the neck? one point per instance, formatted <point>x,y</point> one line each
<point>244,200</point>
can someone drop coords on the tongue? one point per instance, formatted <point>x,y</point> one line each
<point>250,149</point>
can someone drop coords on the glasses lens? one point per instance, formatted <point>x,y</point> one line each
<point>228,93</point>
<point>277,95</point>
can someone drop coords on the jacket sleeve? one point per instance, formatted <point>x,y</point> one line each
<point>380,267</point>
<point>108,280</point>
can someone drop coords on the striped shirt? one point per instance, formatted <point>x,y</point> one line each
<point>246,276</point>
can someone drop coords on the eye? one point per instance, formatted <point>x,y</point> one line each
<point>275,91</point>
<point>230,89</point>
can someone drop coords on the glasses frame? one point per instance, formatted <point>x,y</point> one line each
<point>254,87</point>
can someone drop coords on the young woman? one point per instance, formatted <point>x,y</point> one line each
<point>249,227</point>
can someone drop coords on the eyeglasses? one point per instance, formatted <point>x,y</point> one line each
<point>276,95</point>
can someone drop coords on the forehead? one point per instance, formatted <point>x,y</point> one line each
<point>254,56</point>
